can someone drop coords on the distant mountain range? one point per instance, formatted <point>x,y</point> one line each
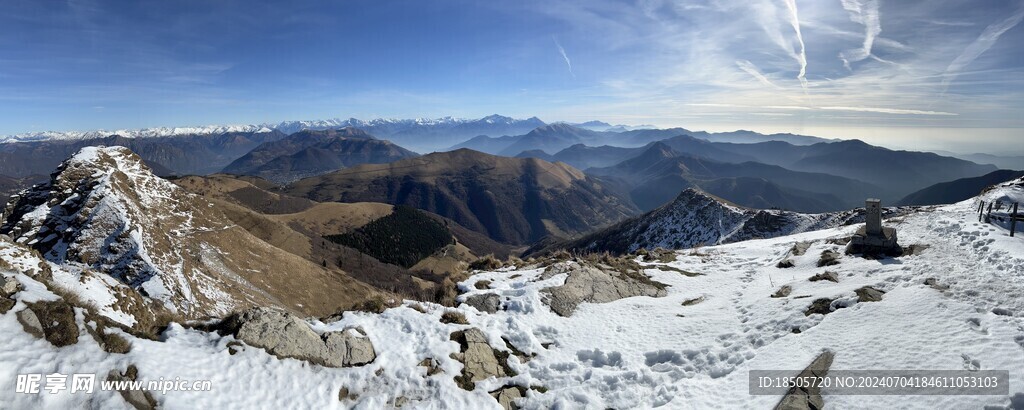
<point>659,173</point>
<point>553,138</point>
<point>310,153</point>
<point>423,135</point>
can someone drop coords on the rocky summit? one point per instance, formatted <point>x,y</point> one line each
<point>103,211</point>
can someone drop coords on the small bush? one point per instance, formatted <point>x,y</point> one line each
<point>486,263</point>
<point>482,284</point>
<point>375,304</point>
<point>454,317</point>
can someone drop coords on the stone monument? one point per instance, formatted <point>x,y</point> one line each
<point>873,238</point>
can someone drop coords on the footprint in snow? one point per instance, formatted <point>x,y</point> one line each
<point>975,325</point>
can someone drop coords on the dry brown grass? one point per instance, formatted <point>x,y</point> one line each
<point>454,317</point>
<point>486,263</point>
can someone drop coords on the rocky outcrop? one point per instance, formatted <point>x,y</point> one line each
<point>8,287</point>
<point>808,398</point>
<point>827,275</point>
<point>488,302</point>
<point>50,320</point>
<point>286,336</point>
<point>596,284</point>
<point>480,361</point>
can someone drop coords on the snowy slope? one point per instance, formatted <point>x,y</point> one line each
<point>636,352</point>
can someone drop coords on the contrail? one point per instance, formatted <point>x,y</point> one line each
<point>565,56</point>
<point>794,20</point>
<point>985,41</point>
<point>751,69</point>
<point>864,12</point>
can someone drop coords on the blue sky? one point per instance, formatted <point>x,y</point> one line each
<point>922,74</point>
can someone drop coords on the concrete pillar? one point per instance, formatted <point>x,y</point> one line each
<point>873,219</point>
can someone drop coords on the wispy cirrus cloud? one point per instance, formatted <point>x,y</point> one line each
<point>864,12</point>
<point>751,69</point>
<point>568,63</point>
<point>985,41</point>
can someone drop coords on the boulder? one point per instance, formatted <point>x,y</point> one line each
<point>820,306</point>
<point>9,286</point>
<point>827,275</point>
<point>348,348</point>
<point>480,361</point>
<point>507,395</point>
<point>280,334</point>
<point>286,336</point>
<point>869,294</point>
<point>588,283</point>
<point>488,302</point>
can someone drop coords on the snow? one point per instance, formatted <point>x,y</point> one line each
<point>287,127</point>
<point>636,352</point>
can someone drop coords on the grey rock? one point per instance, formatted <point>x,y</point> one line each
<point>346,348</point>
<point>783,292</point>
<point>280,334</point>
<point>30,322</point>
<point>821,306</point>
<point>480,361</point>
<point>506,396</point>
<point>9,286</point>
<point>488,302</point>
<point>827,275</point>
<point>800,248</point>
<point>808,398</point>
<point>590,284</point>
<point>869,294</point>
<point>286,336</point>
